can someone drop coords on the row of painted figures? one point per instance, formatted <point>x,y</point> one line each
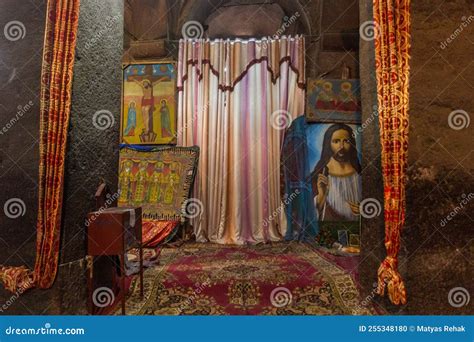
<point>152,183</point>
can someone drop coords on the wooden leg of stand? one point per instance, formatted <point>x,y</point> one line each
<point>141,271</point>
<point>122,279</point>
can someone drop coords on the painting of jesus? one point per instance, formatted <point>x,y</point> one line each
<point>335,177</point>
<point>149,104</point>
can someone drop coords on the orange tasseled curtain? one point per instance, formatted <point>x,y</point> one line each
<point>56,80</point>
<point>392,45</point>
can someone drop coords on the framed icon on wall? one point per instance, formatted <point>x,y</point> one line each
<point>333,100</point>
<point>149,104</point>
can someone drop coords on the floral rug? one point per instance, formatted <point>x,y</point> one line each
<point>271,279</point>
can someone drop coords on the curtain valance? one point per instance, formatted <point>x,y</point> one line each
<point>230,60</point>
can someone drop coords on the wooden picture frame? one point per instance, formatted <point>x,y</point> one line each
<point>149,103</point>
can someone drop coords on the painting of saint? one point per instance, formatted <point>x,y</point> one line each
<point>125,179</point>
<point>149,104</point>
<point>165,119</point>
<point>347,101</point>
<point>131,120</point>
<point>335,177</point>
<point>326,99</point>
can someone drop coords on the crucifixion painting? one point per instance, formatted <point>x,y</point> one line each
<point>149,104</point>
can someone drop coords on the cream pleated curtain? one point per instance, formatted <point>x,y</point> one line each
<point>236,98</point>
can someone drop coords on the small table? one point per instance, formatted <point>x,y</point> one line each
<point>114,231</point>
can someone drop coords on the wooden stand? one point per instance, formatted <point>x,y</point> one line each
<point>110,233</point>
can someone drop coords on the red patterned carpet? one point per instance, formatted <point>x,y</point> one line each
<point>278,279</point>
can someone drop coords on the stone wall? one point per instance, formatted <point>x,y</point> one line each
<point>92,151</point>
<point>93,140</point>
<point>20,70</point>
<point>441,158</point>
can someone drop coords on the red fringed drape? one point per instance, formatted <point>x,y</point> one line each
<point>55,103</point>
<point>155,231</point>
<point>392,45</point>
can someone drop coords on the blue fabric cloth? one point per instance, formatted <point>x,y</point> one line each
<point>131,121</point>
<point>144,148</point>
<point>298,194</point>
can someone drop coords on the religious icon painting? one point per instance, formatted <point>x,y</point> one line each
<point>158,180</point>
<point>335,170</point>
<point>333,101</point>
<point>149,104</point>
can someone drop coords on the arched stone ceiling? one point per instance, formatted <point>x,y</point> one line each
<point>246,21</point>
<point>158,19</point>
<point>200,10</point>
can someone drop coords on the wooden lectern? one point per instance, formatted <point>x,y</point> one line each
<point>114,231</point>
